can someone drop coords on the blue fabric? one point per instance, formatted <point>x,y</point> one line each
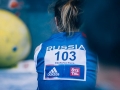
<point>60,39</point>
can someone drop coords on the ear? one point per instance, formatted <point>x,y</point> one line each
<point>56,21</point>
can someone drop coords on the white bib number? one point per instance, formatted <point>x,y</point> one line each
<point>65,65</point>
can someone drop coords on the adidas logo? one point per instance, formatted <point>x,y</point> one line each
<point>53,72</point>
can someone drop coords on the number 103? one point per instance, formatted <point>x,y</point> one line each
<point>66,56</point>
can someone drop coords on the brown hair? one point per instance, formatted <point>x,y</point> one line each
<point>68,13</point>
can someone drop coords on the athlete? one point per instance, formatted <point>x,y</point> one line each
<point>64,61</point>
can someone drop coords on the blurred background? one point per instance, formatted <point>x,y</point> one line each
<point>24,24</point>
